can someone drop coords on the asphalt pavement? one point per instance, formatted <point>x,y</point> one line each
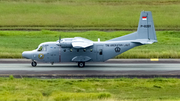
<point>113,68</point>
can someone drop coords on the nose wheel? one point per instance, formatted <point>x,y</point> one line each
<point>81,64</point>
<point>34,64</point>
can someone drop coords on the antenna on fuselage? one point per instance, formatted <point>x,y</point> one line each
<point>98,39</point>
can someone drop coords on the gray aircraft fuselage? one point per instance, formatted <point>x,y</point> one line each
<point>99,52</point>
<point>82,50</point>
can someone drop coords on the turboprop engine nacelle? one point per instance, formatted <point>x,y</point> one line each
<point>66,44</point>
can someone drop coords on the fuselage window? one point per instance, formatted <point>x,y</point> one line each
<point>77,50</point>
<point>84,50</point>
<point>91,50</point>
<point>70,50</point>
<point>64,50</point>
<point>100,52</point>
<point>40,48</point>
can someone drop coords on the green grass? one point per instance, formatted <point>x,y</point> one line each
<point>105,14</point>
<point>120,89</point>
<point>13,43</point>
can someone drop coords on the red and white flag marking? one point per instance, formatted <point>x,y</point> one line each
<point>144,18</point>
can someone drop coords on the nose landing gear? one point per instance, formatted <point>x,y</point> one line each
<point>34,64</point>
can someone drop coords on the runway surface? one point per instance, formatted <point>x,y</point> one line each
<point>110,69</point>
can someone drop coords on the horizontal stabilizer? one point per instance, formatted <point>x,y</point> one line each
<point>144,41</point>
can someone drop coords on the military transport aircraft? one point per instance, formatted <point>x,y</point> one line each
<point>82,50</point>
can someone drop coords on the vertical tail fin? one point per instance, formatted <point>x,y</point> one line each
<point>145,33</point>
<point>146,28</point>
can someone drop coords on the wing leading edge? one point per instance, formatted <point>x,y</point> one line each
<point>79,42</point>
<point>76,42</point>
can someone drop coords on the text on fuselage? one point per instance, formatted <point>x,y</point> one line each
<point>115,45</point>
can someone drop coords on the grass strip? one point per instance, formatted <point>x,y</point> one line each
<point>122,14</point>
<point>13,43</point>
<point>119,89</point>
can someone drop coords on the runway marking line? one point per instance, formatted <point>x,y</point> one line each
<point>153,59</point>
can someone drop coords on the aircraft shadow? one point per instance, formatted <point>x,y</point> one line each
<point>60,66</point>
<point>91,66</point>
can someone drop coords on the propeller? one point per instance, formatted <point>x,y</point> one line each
<point>59,41</point>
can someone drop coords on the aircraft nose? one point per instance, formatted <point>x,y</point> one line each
<point>26,54</point>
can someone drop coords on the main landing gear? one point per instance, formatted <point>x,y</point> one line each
<point>34,63</point>
<point>81,64</point>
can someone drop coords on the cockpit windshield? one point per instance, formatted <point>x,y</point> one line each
<point>40,48</point>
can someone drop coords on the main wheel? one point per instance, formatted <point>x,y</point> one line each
<point>81,64</point>
<point>34,64</point>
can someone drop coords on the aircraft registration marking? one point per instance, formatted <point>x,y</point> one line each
<point>146,26</point>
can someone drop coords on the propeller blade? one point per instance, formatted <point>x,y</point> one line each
<point>59,44</point>
<point>59,39</point>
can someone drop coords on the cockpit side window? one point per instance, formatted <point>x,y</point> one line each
<point>40,48</point>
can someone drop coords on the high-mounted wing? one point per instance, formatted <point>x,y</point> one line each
<point>79,42</point>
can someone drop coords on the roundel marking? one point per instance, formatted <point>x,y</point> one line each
<point>117,49</point>
<point>41,56</point>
